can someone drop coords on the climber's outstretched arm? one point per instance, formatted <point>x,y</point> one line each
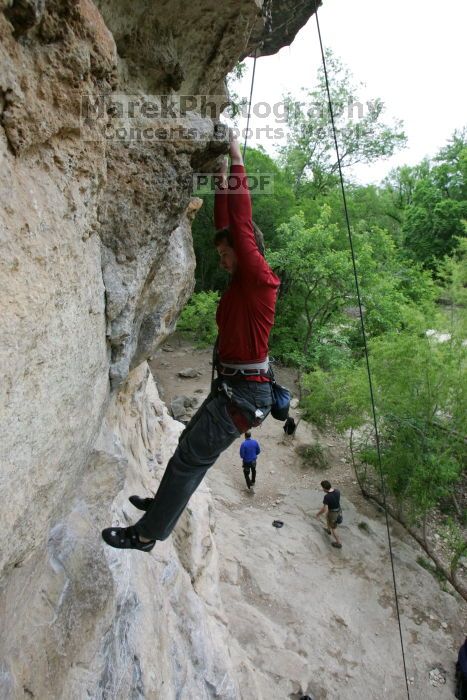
<point>236,157</point>
<point>221,211</point>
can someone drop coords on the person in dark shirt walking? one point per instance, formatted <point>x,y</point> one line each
<point>241,394</point>
<point>332,508</point>
<point>249,450</point>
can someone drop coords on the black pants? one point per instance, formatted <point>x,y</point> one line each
<point>210,432</point>
<point>461,685</point>
<point>247,468</point>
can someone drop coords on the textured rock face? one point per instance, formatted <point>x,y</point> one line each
<point>96,264</point>
<point>54,357</point>
<point>106,624</point>
<point>280,23</point>
<point>186,47</point>
<point>147,281</point>
<point>158,51</point>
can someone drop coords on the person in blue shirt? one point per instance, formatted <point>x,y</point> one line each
<point>249,450</point>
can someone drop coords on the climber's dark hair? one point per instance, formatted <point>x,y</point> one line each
<point>326,485</point>
<point>222,236</point>
<point>259,238</point>
<point>225,235</point>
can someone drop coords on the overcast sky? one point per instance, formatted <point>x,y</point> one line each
<point>411,54</point>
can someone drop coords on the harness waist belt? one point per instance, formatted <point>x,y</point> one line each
<point>246,365</point>
<point>334,510</point>
<point>230,372</point>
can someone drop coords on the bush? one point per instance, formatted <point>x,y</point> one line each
<point>198,318</point>
<point>313,456</point>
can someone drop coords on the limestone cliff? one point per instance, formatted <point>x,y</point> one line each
<point>96,264</point>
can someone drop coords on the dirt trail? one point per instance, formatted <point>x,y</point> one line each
<point>312,619</point>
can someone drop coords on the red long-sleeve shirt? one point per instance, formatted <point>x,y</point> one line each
<point>245,314</point>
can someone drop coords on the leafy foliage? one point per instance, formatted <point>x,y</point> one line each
<point>198,318</point>
<point>420,391</point>
<point>313,456</point>
<point>316,276</point>
<point>433,200</point>
<point>310,153</point>
<point>452,271</point>
<point>315,314</point>
<point>237,103</point>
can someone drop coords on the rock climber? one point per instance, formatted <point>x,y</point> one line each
<point>249,450</point>
<point>332,508</point>
<point>240,396</point>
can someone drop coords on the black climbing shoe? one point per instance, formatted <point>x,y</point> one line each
<point>337,545</point>
<point>125,538</point>
<point>141,503</point>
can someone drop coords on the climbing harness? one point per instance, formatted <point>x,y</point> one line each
<point>246,369</point>
<point>364,338</point>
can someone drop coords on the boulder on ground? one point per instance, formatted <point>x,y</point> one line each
<point>183,407</point>
<point>189,373</point>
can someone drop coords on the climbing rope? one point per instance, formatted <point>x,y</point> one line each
<point>362,323</point>
<point>364,337</point>
<point>249,104</point>
<point>258,234</point>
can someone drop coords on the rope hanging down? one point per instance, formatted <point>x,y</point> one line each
<point>249,104</point>
<point>362,323</point>
<point>258,234</point>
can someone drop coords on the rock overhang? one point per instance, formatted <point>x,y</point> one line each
<point>189,48</point>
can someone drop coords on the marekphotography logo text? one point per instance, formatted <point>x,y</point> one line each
<point>178,118</point>
<point>167,118</point>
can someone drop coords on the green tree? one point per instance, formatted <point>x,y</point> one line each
<point>433,217</point>
<point>237,104</point>
<point>310,154</point>
<point>277,205</point>
<point>198,318</point>
<point>433,223</point>
<point>420,394</point>
<point>401,182</point>
<point>317,318</point>
<point>452,273</point>
<point>450,173</point>
<point>317,282</point>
